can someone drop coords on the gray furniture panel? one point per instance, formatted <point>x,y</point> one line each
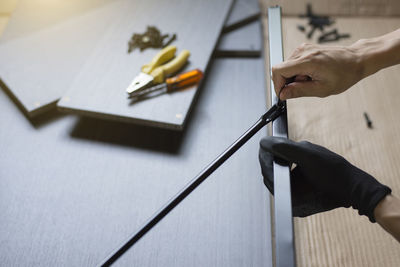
<point>99,89</point>
<point>73,188</point>
<point>241,10</point>
<point>245,39</point>
<point>46,43</point>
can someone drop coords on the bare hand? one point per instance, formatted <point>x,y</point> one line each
<point>317,71</point>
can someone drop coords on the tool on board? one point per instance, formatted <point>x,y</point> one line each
<point>161,66</point>
<point>368,120</point>
<point>274,112</point>
<point>172,84</point>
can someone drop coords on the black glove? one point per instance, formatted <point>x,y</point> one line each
<point>321,180</point>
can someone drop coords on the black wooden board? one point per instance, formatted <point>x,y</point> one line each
<point>100,88</point>
<point>73,188</point>
<point>46,43</point>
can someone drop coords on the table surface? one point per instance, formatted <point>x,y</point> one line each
<point>73,188</point>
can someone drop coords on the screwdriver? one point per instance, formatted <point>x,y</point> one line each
<point>171,84</point>
<point>274,112</point>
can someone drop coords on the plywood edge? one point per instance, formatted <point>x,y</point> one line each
<point>30,110</point>
<point>115,117</point>
<point>43,109</point>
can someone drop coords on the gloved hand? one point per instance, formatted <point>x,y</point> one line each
<point>321,180</point>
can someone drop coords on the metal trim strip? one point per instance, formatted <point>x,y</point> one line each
<point>283,220</point>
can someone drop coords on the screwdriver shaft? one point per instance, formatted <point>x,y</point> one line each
<point>193,184</point>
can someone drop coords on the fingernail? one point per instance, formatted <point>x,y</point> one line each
<point>283,95</point>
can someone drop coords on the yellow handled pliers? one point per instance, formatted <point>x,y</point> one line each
<point>161,66</point>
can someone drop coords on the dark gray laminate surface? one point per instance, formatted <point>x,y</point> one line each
<point>46,43</point>
<point>241,10</point>
<point>100,88</point>
<point>245,39</point>
<point>73,188</point>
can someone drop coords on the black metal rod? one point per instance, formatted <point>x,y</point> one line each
<point>171,204</point>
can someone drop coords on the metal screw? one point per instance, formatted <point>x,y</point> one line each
<point>367,119</point>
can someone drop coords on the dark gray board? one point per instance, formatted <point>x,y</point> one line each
<point>46,43</point>
<point>72,188</point>
<point>247,39</point>
<point>100,88</point>
<point>241,10</point>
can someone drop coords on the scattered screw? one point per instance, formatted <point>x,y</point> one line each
<point>367,119</point>
<point>151,38</point>
<point>332,36</point>
<point>318,22</point>
<point>173,38</point>
<point>301,28</point>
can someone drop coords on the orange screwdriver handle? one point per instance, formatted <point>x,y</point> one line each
<point>183,80</point>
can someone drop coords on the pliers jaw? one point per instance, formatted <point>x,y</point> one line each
<point>141,82</point>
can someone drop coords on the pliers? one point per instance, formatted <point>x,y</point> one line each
<point>161,66</point>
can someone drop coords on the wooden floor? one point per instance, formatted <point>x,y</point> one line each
<point>341,237</point>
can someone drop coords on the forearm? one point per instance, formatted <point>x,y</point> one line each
<point>387,214</point>
<point>378,53</point>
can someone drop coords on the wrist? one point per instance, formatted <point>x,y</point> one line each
<point>366,193</point>
<point>385,207</point>
<point>387,214</point>
<point>369,53</point>
<point>377,53</point>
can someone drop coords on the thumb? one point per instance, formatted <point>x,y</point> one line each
<point>267,171</point>
<point>300,89</point>
<point>286,70</point>
<point>288,150</point>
